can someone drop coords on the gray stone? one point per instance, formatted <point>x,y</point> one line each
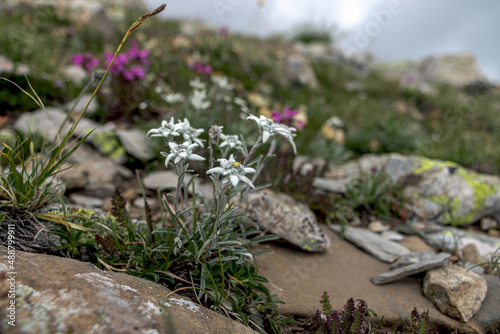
<point>411,269</point>
<point>160,179</point>
<point>439,191</point>
<point>392,235</point>
<point>489,316</point>
<point>452,239</point>
<point>86,201</point>
<point>300,71</point>
<point>60,295</point>
<point>280,214</point>
<point>455,291</point>
<point>412,258</point>
<point>47,122</point>
<point>94,168</point>
<point>79,105</point>
<point>331,185</point>
<point>372,243</point>
<point>488,223</point>
<point>377,226</point>
<point>136,143</point>
<point>344,271</point>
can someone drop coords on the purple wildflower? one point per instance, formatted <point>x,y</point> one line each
<point>76,59</point>
<point>87,61</point>
<point>288,117</point>
<point>224,31</point>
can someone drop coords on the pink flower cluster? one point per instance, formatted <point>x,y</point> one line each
<point>288,117</point>
<point>200,68</point>
<point>87,61</point>
<point>131,64</point>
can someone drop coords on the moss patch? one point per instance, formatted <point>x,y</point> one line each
<point>481,189</point>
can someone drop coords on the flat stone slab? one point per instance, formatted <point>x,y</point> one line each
<point>344,271</point>
<point>424,265</point>
<point>381,248</point>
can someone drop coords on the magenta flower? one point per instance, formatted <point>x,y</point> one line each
<point>289,118</point>
<point>87,61</point>
<point>224,31</point>
<point>76,59</point>
<point>200,68</point>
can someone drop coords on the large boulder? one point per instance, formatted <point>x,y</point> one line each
<point>60,295</point>
<point>439,191</point>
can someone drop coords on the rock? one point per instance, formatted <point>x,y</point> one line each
<point>95,168</point>
<point>452,239</point>
<point>392,236</point>
<point>377,226</point>
<point>344,271</point>
<point>455,291</point>
<point>411,258</point>
<point>488,315</point>
<point>439,191</point>
<point>470,254</point>
<point>160,179</point>
<point>47,122</point>
<point>424,263</point>
<point>60,295</point>
<point>372,243</point>
<point>79,105</point>
<point>280,214</point>
<point>86,201</point>
<point>488,223</point>
<point>416,244</point>
<point>136,143</point>
<point>456,70</point>
<point>331,185</point>
<point>299,70</point>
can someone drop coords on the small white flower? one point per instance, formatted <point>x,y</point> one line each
<point>268,128</point>
<point>167,129</point>
<point>335,122</point>
<point>196,83</point>
<point>222,82</point>
<point>232,141</point>
<point>189,133</point>
<point>180,152</point>
<point>232,171</point>
<point>173,98</point>
<point>239,101</point>
<point>198,99</point>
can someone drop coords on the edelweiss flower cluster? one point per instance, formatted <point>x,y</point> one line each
<point>268,128</point>
<point>232,171</point>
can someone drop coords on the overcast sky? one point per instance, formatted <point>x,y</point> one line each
<point>389,29</point>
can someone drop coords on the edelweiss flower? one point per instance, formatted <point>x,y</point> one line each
<point>222,82</point>
<point>167,129</point>
<point>268,128</point>
<point>232,141</point>
<point>233,171</point>
<point>198,99</point>
<point>189,133</point>
<point>173,98</point>
<point>196,83</point>
<point>181,152</point>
